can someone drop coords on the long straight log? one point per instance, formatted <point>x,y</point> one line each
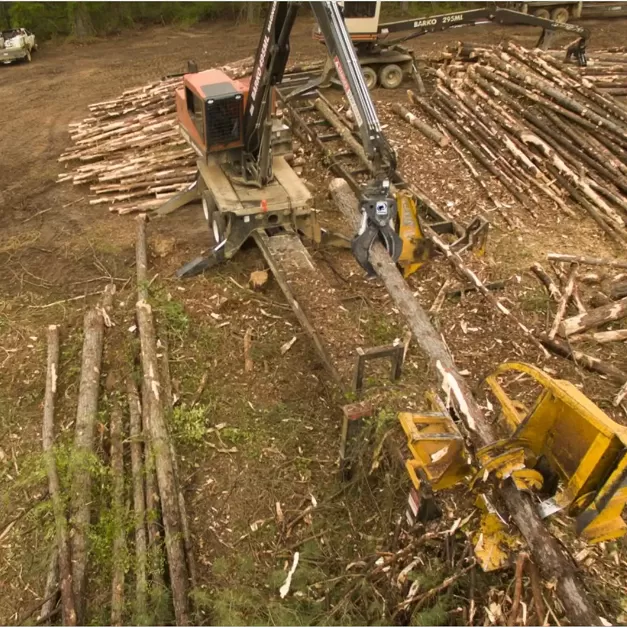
<point>139,504</point>
<point>546,550</point>
<point>54,487</point>
<point>161,446</point>
<point>590,363</point>
<point>80,488</point>
<point>428,131</point>
<point>164,466</point>
<point>344,132</point>
<point>118,511</point>
<point>152,497</point>
<point>587,261</point>
<point>594,318</point>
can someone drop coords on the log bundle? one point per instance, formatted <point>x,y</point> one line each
<point>548,134</point>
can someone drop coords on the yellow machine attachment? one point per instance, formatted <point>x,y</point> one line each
<point>564,435</point>
<point>416,247</point>
<point>439,457</point>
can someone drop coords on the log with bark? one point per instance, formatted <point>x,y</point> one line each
<point>86,413</point>
<point>563,303</point>
<point>63,555</point>
<point>118,553</point>
<point>161,446</point>
<point>548,552</point>
<point>587,261</point>
<point>593,364</point>
<point>139,504</point>
<point>427,130</point>
<point>594,318</point>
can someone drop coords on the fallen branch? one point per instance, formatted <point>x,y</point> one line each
<point>520,565</point>
<point>47,435</point>
<point>547,281</point>
<point>561,307</point>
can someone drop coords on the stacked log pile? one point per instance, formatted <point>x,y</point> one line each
<point>607,70</point>
<point>129,149</point>
<point>540,128</point>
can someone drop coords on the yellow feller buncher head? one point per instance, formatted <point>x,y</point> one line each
<point>562,436</point>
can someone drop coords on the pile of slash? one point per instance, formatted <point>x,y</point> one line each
<point>144,505</point>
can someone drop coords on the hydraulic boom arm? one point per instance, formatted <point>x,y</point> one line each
<point>377,204</point>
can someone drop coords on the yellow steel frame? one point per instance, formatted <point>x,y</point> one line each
<point>583,445</point>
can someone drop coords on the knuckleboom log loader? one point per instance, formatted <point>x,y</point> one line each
<point>249,191</point>
<point>385,61</point>
<point>245,184</point>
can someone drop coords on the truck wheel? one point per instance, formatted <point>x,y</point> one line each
<point>542,13</point>
<point>28,56</point>
<point>561,14</point>
<point>391,76</point>
<point>370,76</point>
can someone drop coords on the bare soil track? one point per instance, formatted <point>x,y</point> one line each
<point>279,426</point>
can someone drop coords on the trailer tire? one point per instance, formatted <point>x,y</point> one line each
<point>370,76</point>
<point>542,13</point>
<point>391,76</point>
<point>561,14</point>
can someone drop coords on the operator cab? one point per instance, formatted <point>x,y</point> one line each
<point>210,112</point>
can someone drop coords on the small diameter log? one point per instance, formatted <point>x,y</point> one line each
<point>561,307</point>
<point>141,258</point>
<point>168,403</point>
<point>152,497</point>
<point>610,336</point>
<point>426,129</point>
<point>590,363</point>
<point>587,261</point>
<point>118,511</point>
<point>166,479</point>
<point>47,435</point>
<point>594,318</point>
<point>547,281</point>
<point>80,489</point>
<point>578,607</point>
<point>139,504</point>
<point>52,587</point>
<point>331,117</point>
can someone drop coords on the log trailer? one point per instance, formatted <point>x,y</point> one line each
<point>385,61</point>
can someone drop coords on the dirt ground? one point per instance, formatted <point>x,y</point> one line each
<point>256,438</point>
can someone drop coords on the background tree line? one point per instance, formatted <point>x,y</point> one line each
<point>82,20</point>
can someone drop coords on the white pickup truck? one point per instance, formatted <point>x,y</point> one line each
<point>16,43</point>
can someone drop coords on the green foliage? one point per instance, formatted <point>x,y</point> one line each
<point>190,423</point>
<point>63,19</point>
